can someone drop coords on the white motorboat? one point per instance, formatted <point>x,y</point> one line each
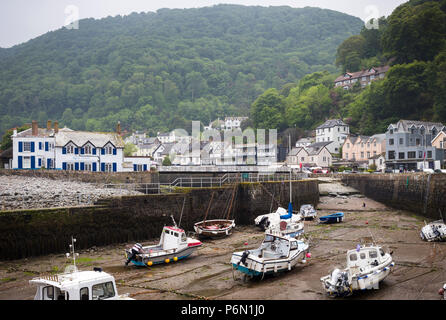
<point>434,231</point>
<point>275,254</point>
<point>173,246</point>
<point>265,221</point>
<point>77,285</point>
<point>366,267</point>
<point>307,211</point>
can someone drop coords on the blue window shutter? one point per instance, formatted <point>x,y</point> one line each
<point>32,146</point>
<point>33,162</point>
<point>102,167</point>
<point>82,150</point>
<point>115,167</point>
<point>145,167</point>
<point>94,150</point>
<point>102,151</point>
<point>39,161</point>
<point>64,165</point>
<point>76,150</point>
<point>46,146</point>
<point>82,166</point>
<point>135,168</point>
<point>40,145</point>
<point>48,163</point>
<point>94,166</point>
<point>76,166</point>
<point>114,151</point>
<point>20,162</point>
<point>64,150</point>
<point>20,146</point>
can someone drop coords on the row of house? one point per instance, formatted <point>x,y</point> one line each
<point>66,149</point>
<point>406,145</point>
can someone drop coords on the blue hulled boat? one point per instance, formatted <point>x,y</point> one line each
<point>332,218</point>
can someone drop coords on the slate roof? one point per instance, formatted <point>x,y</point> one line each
<point>80,138</point>
<point>362,73</point>
<point>332,123</point>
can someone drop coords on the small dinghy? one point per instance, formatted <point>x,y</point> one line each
<point>434,231</point>
<point>307,211</point>
<point>173,246</point>
<point>216,228</point>
<point>367,266</point>
<point>275,254</point>
<point>332,218</point>
<point>77,285</point>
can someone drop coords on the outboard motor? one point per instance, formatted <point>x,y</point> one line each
<point>243,258</point>
<point>264,223</point>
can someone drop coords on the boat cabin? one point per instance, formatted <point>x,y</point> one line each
<point>172,238</point>
<point>365,257</point>
<point>79,285</point>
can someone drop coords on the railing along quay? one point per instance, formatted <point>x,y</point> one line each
<point>205,182</point>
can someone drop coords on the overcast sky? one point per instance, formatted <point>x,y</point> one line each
<point>22,20</point>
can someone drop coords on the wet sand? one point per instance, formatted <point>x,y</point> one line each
<point>207,273</point>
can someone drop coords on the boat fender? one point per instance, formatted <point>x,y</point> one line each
<point>175,259</point>
<point>243,258</point>
<point>149,263</point>
<point>167,260</point>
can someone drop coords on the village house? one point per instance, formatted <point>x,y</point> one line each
<point>335,131</point>
<point>232,123</point>
<point>66,149</point>
<point>362,148</point>
<point>409,142</point>
<point>364,77</point>
<point>379,160</point>
<point>314,155</point>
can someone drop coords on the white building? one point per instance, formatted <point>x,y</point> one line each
<point>66,149</point>
<point>232,123</point>
<point>335,131</point>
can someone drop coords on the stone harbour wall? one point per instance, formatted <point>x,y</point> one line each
<point>34,232</point>
<point>424,194</point>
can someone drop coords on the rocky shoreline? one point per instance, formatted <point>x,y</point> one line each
<point>17,192</point>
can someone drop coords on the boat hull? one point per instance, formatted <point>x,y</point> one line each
<point>143,260</point>
<point>331,219</point>
<point>254,267</point>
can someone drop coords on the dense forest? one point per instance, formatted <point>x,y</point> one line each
<point>158,71</point>
<point>412,40</point>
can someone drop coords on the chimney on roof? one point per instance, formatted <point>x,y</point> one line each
<point>48,125</point>
<point>35,128</point>
<point>56,127</point>
<point>118,128</point>
<point>14,134</point>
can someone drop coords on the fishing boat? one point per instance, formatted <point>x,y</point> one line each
<point>366,267</point>
<point>77,285</point>
<point>332,218</point>
<point>434,231</point>
<point>275,254</point>
<point>216,228</point>
<point>307,211</point>
<point>173,246</point>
